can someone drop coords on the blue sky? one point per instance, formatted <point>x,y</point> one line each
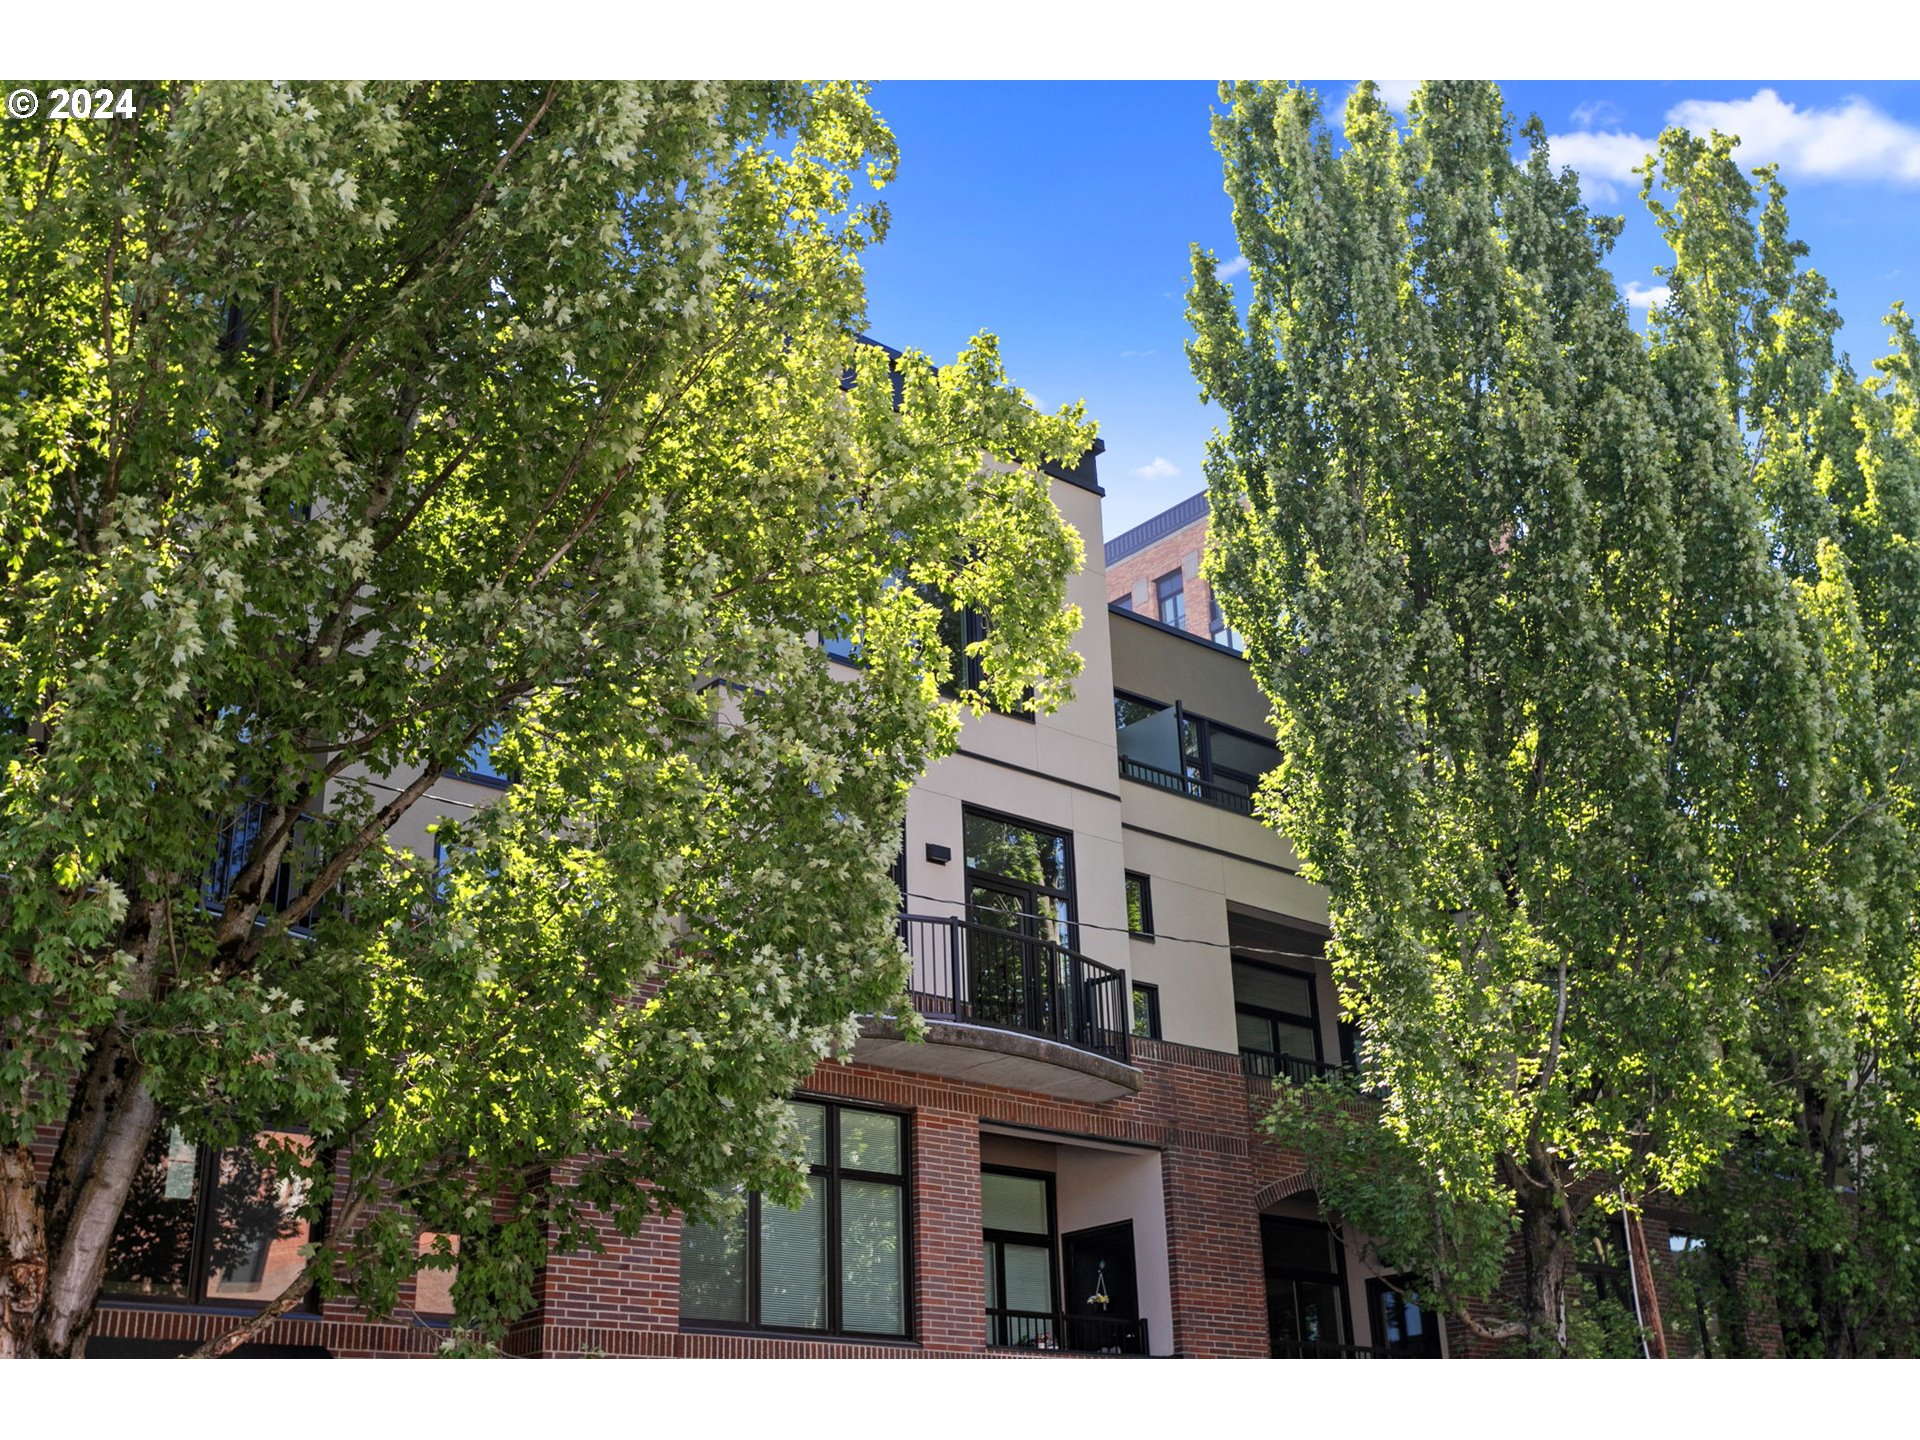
<point>1058,215</point>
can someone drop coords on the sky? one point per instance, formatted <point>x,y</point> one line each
<point>1059,215</point>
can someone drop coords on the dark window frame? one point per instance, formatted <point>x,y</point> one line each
<point>483,747</point>
<point>1176,595</point>
<point>1337,1276</point>
<point>1145,932</point>
<point>1050,1241</point>
<point>1142,990</point>
<point>1193,742</point>
<point>834,1172</point>
<point>206,1161</point>
<point>1401,1286</point>
<point>1272,1016</point>
<point>990,879</point>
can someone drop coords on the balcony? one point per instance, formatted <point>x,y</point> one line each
<point>1325,1350</point>
<point>1294,1067</point>
<point>1065,1334</point>
<point>1010,1009</point>
<point>1206,792</point>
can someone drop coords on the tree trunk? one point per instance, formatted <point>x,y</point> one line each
<point>23,1252</point>
<point>1548,1249</point>
<point>110,1123</point>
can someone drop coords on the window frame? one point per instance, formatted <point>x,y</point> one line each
<point>831,1173</point>
<point>1146,932</point>
<point>1400,1287</point>
<point>207,1160</point>
<point>1069,892</point>
<point>1294,1275</point>
<point>1176,594</point>
<point>1271,1016</point>
<point>1143,990</point>
<point>996,1237</point>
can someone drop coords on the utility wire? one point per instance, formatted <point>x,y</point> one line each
<point>1119,930</point>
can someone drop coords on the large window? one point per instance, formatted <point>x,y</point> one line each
<point>1306,1289</point>
<point>838,1263</point>
<point>209,1227</point>
<point>1019,877</point>
<point>1277,1021</point>
<point>1403,1324</point>
<point>1016,1215</point>
<point>1170,592</point>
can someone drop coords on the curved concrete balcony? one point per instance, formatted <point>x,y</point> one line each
<point>1011,1010</point>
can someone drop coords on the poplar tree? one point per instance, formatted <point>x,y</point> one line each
<point>351,432</point>
<point>1563,734</point>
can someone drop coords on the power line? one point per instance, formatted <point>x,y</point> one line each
<point>1119,930</point>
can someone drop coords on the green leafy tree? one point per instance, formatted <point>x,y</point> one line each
<point>1558,724</point>
<point>347,428</point>
<point>1814,1222</point>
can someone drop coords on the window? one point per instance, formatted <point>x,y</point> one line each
<point>1016,1217</point>
<point>1139,906</point>
<point>1171,747</point>
<point>478,762</point>
<point>1146,1011</point>
<point>1696,1289</point>
<point>1019,877</point>
<point>209,1227</point>
<point>1224,634</point>
<point>1278,1022</point>
<point>1306,1289</point>
<point>1402,1323</point>
<point>1170,593</point>
<point>836,1265</point>
<point>1125,602</point>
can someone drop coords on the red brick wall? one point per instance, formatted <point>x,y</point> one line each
<point>1169,553</point>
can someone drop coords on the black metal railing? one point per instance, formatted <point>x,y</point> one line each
<point>1221,796</point>
<point>1325,1350</point>
<point>1012,981</point>
<point>1068,1334</point>
<point>1291,1067</point>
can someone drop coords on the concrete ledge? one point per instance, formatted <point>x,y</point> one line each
<point>1010,1059</point>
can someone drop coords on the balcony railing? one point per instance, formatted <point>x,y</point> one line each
<point>1216,795</point>
<point>1069,1334</point>
<point>1010,981</point>
<point>1291,1067</point>
<point>1325,1350</point>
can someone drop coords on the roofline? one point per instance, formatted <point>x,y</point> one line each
<point>1114,607</point>
<point>1168,522</point>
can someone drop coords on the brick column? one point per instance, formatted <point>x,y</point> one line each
<point>950,1287</point>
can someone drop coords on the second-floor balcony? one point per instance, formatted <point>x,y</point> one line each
<point>1009,1008</point>
<point>964,970</point>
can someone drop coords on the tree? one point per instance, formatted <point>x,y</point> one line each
<point>354,431</point>
<point>1815,1219</point>
<point>1558,723</point>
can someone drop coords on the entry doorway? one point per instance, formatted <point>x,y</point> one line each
<point>1103,1292</point>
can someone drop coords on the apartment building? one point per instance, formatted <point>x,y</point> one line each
<point>1117,964</point>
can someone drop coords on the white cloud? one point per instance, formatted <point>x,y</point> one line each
<point>1596,114</point>
<point>1236,266</point>
<point>1160,468</point>
<point>1850,141</point>
<point>1645,297</point>
<point>1135,354</point>
<point>1396,93</point>
<point>1605,159</point>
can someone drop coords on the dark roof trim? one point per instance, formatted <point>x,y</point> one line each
<point>1193,508</point>
<point>1166,629</point>
<point>1082,472</point>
